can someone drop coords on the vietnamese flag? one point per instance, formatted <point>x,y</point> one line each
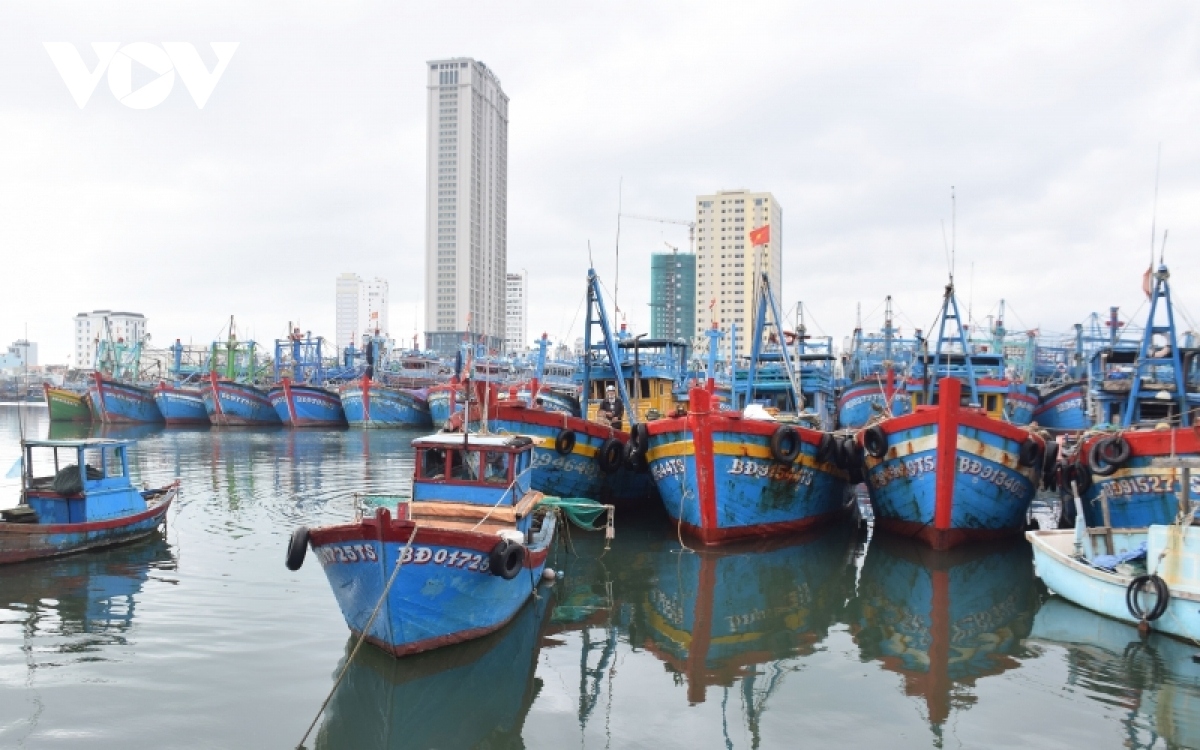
<point>760,236</point>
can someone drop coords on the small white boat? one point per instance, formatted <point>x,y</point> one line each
<point>1147,577</point>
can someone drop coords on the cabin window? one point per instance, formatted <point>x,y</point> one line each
<point>496,467</point>
<point>464,465</point>
<point>991,402</point>
<point>433,463</point>
<point>112,463</point>
<point>645,389</point>
<point>93,459</point>
<point>919,399</point>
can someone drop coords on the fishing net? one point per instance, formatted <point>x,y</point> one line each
<point>580,511</point>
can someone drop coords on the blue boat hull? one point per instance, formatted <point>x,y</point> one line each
<point>20,542</point>
<point>307,406</point>
<point>122,403</point>
<point>443,593</point>
<point>1021,404</point>
<point>238,405</point>
<point>383,406</point>
<point>1139,494</point>
<point>181,406</point>
<point>1063,409</point>
<point>864,400</point>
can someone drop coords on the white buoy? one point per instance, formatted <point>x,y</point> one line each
<point>549,574</point>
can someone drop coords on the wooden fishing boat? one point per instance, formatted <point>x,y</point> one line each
<point>71,510</point>
<point>232,404</point>
<point>373,405</point>
<point>457,560</point>
<point>306,405</point>
<point>180,405</point>
<point>67,405</point>
<point>116,402</point>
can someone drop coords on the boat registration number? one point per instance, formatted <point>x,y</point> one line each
<point>450,558</point>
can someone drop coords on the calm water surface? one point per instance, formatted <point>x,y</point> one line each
<point>206,640</point>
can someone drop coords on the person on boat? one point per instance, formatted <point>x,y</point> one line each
<point>611,409</point>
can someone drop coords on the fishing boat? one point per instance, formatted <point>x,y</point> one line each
<point>729,475</point>
<point>231,395</point>
<point>1062,408</point>
<point>457,560</point>
<point>73,509</point>
<point>876,370</point>
<point>954,470</point>
<point>1147,412</point>
<point>181,405</point>
<point>116,402</point>
<point>66,404</point>
<point>299,396</point>
<point>368,403</point>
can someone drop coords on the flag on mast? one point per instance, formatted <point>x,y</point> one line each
<point>760,236</point>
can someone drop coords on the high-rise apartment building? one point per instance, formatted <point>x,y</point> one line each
<point>361,307</point>
<point>672,296</point>
<point>729,265</point>
<point>466,205</point>
<point>516,336</point>
<point>91,327</point>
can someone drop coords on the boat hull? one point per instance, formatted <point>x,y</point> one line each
<point>230,404</point>
<point>307,406</point>
<point>443,593</point>
<point>1063,409</point>
<point>720,482</point>
<point>1021,404</point>
<point>66,405</point>
<point>1139,494</point>
<point>21,542</point>
<point>865,400</point>
<point>181,406</point>
<point>951,475</point>
<point>376,406</point>
<point>122,403</point>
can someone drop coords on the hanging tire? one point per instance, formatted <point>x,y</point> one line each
<point>785,444</point>
<point>639,438</point>
<point>1030,453</point>
<point>852,460</point>
<point>610,455</point>
<point>506,559</point>
<point>875,441</point>
<point>1066,511</point>
<point>1115,450</point>
<point>1096,463</point>
<point>564,443</point>
<point>1050,467</point>
<point>297,548</point>
<point>1081,476</point>
<point>829,450</point>
<point>1162,598</point>
<point>634,458</point>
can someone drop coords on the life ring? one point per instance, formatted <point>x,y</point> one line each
<point>875,441</point>
<point>506,559</point>
<point>610,455</point>
<point>1030,452</point>
<point>1096,463</point>
<point>785,444</point>
<point>1162,598</point>
<point>564,443</point>
<point>297,548</point>
<point>829,450</point>
<point>1115,450</point>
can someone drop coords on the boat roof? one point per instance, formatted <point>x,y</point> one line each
<point>85,443</point>
<point>458,440</point>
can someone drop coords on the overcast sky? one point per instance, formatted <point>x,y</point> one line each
<point>308,159</point>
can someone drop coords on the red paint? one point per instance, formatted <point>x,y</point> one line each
<point>714,536</point>
<point>702,614</point>
<point>706,481</point>
<point>557,420</point>
<point>398,531</point>
<point>216,393</point>
<point>949,393</point>
<point>944,539</point>
<point>287,395</point>
<point>25,535</point>
<point>366,398</point>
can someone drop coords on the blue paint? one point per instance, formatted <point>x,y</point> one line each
<point>387,406</point>
<point>302,405</point>
<point>116,402</point>
<point>181,405</point>
<point>1063,408</point>
<point>238,404</point>
<point>863,401</point>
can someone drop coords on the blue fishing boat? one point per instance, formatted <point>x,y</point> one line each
<point>725,475</point>
<point>88,502</point>
<point>954,470</point>
<point>181,405</point>
<point>232,398</point>
<point>300,397</point>
<point>876,370</point>
<point>458,559</point>
<point>116,402</point>
<point>1063,408</point>
<point>370,404</point>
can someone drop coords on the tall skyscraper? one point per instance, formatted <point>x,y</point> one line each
<point>466,205</point>
<point>672,295</point>
<point>728,265</point>
<point>375,307</point>
<point>516,336</point>
<point>349,294</point>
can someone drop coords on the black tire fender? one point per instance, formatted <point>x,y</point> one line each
<point>1050,466</point>
<point>506,559</point>
<point>1115,450</point>
<point>1096,463</point>
<point>610,455</point>
<point>1082,477</point>
<point>1162,598</point>
<point>785,444</point>
<point>875,441</point>
<point>829,451</point>
<point>564,442</point>
<point>297,548</point>
<point>639,438</point>
<point>1030,452</point>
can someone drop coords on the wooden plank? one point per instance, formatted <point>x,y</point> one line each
<point>464,511</point>
<point>528,503</point>
<point>1176,462</point>
<point>486,528</point>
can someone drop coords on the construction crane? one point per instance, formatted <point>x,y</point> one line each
<point>691,225</point>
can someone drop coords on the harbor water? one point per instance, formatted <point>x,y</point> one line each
<point>205,640</point>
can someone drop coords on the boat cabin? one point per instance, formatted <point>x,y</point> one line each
<point>469,480</point>
<point>653,373</point>
<point>56,488</point>
<point>990,381</point>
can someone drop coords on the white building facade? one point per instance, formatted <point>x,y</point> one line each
<point>466,205</point>
<point>375,307</point>
<point>91,327</point>
<point>362,308</point>
<point>728,265</point>
<point>516,337</point>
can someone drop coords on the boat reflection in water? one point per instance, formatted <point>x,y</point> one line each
<point>474,694</point>
<point>714,615</point>
<point>944,619</point>
<point>78,604</point>
<point>1152,681</point>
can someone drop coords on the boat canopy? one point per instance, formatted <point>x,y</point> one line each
<point>458,440</point>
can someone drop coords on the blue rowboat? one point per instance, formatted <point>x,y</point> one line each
<point>1063,409</point>
<point>573,457</point>
<point>724,478</point>
<point>867,399</point>
<point>949,474</point>
<point>463,554</point>
<point>114,402</point>
<point>300,405</point>
<point>73,510</point>
<point>180,406</point>
<point>1139,492</point>
<point>373,405</point>
<point>490,680</point>
<point>231,404</point>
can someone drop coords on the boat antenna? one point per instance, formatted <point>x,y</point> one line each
<point>617,272</point>
<point>1154,212</point>
<point>1162,253</point>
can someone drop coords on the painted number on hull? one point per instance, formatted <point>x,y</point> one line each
<point>347,553</point>
<point>1136,485</point>
<point>663,469</point>
<point>446,558</point>
<point>779,472</point>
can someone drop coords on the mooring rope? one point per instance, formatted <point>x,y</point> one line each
<point>361,638</point>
